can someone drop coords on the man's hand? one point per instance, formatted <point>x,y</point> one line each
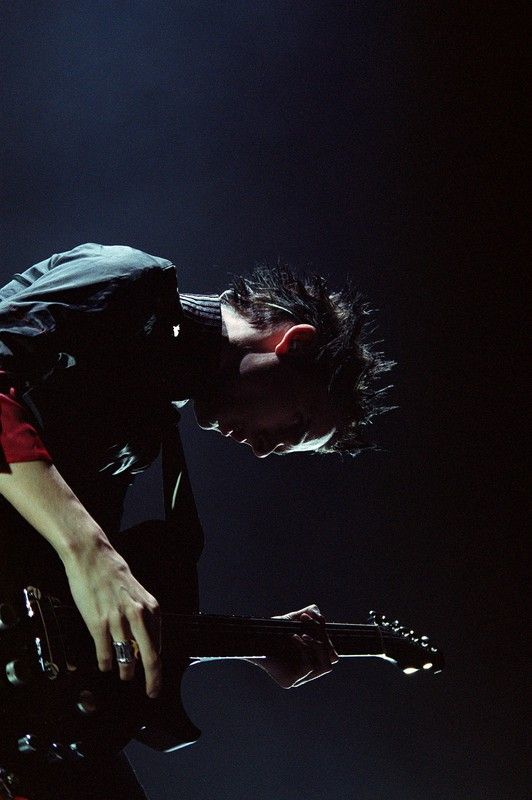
<point>309,658</point>
<point>116,607</point>
<point>113,604</point>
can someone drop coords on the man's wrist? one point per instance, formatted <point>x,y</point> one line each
<point>82,544</point>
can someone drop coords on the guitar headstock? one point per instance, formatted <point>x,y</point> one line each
<point>410,651</point>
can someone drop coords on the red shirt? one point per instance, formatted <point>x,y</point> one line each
<point>19,441</point>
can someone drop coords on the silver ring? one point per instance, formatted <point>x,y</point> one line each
<point>125,651</point>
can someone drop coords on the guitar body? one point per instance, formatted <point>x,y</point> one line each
<point>69,710</point>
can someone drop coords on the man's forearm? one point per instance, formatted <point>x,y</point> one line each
<point>40,494</point>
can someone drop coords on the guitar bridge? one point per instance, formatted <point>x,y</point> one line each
<point>44,646</point>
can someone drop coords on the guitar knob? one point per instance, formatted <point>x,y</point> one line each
<point>51,670</point>
<point>18,673</point>
<point>28,744</point>
<point>8,616</point>
<point>56,752</point>
<point>8,783</point>
<point>75,751</point>
<point>86,702</point>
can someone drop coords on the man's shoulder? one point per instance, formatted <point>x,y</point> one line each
<point>123,259</point>
<point>91,267</point>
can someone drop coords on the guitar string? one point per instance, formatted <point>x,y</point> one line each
<point>254,624</point>
<point>199,624</point>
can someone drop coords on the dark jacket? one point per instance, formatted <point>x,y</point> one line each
<point>89,337</point>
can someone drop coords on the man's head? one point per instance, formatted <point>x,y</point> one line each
<point>298,371</point>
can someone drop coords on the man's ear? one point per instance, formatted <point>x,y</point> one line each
<point>297,338</point>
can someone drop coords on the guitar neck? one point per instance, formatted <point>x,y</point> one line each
<point>204,636</point>
<point>212,636</point>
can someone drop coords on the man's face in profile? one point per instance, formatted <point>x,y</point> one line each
<point>271,405</point>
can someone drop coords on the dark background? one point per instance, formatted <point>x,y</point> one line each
<point>375,139</point>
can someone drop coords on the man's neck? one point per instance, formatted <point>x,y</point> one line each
<point>199,344</point>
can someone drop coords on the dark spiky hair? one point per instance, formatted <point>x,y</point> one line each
<point>341,353</point>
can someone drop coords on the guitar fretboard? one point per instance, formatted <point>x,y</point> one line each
<point>216,636</point>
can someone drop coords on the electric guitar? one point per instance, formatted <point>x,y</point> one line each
<point>55,705</point>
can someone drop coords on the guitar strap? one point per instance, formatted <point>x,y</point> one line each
<point>181,514</point>
<point>165,552</point>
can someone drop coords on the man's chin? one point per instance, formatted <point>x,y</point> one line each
<point>205,418</point>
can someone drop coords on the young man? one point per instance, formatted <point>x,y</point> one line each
<point>98,349</point>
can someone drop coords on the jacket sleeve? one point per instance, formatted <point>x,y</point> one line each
<point>89,298</point>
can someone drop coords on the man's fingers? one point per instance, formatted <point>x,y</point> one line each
<point>306,665</point>
<point>104,648</point>
<point>313,613</point>
<point>297,614</point>
<point>121,632</point>
<point>319,653</point>
<point>315,663</point>
<point>314,654</point>
<point>149,646</point>
<point>315,657</point>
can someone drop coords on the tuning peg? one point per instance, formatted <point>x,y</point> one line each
<point>86,703</point>
<point>9,783</point>
<point>398,628</point>
<point>51,670</point>
<point>424,641</point>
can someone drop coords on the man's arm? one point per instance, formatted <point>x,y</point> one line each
<point>111,601</point>
<point>86,298</point>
